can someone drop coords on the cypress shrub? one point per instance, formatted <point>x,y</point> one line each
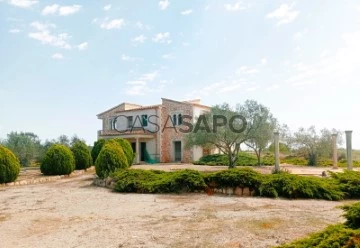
<point>9,165</point>
<point>98,145</point>
<point>126,146</point>
<point>352,215</point>
<point>111,157</point>
<point>58,160</point>
<point>82,155</point>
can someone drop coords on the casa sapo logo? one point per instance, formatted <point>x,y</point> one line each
<point>187,124</point>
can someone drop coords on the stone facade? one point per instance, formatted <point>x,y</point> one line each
<point>169,141</point>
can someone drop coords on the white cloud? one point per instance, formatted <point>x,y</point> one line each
<point>107,7</point>
<point>23,3</point>
<point>69,10</point>
<point>14,31</point>
<point>83,46</point>
<point>112,24</point>
<point>61,10</point>
<point>252,88</point>
<point>246,70</point>
<point>57,56</point>
<point>164,4</point>
<point>149,76</point>
<point>44,34</point>
<point>144,85</point>
<point>186,12</point>
<point>284,14</point>
<point>263,61</point>
<point>162,38</point>
<point>168,56</point>
<point>129,58</point>
<point>50,9</point>
<point>273,87</point>
<point>139,39</point>
<point>185,44</point>
<point>140,25</point>
<point>341,66</point>
<point>234,7</point>
<point>300,34</point>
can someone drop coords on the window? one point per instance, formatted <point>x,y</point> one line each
<point>130,121</point>
<point>144,120</point>
<point>174,120</point>
<point>112,123</point>
<point>180,119</point>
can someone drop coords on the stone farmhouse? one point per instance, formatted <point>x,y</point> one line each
<point>154,131</point>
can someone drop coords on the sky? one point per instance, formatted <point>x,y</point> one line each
<point>63,62</point>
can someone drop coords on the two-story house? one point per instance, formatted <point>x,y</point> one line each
<point>154,131</point>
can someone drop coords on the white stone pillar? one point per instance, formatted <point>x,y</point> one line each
<point>276,145</point>
<point>137,151</point>
<point>349,150</point>
<point>334,150</point>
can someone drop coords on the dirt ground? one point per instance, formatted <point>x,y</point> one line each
<point>73,213</point>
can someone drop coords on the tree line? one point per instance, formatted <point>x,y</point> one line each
<point>258,134</point>
<point>28,147</point>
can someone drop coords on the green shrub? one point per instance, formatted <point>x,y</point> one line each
<point>294,160</point>
<point>294,186</point>
<point>244,177</point>
<point>9,165</point>
<point>352,215</point>
<point>82,155</point>
<point>98,145</point>
<point>244,159</point>
<point>111,157</point>
<point>334,236</point>
<point>58,160</point>
<point>153,181</point>
<point>126,146</point>
<point>349,182</point>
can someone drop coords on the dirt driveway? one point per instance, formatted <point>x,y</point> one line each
<point>73,213</point>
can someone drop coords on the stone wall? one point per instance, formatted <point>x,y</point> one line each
<point>169,135</point>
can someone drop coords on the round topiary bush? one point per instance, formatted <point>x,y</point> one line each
<point>98,145</point>
<point>58,160</point>
<point>82,155</point>
<point>110,158</point>
<point>126,146</point>
<point>9,165</point>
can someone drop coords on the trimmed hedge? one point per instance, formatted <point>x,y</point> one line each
<point>82,155</point>
<point>294,186</point>
<point>282,184</point>
<point>334,236</point>
<point>244,177</point>
<point>341,235</point>
<point>154,181</point>
<point>126,146</point>
<point>352,215</point>
<point>98,145</point>
<point>58,160</point>
<point>111,157</point>
<point>349,182</point>
<point>9,165</point>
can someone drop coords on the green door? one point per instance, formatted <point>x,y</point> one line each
<point>177,145</point>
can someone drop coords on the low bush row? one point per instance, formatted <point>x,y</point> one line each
<point>110,155</point>
<point>246,159</point>
<point>273,185</point>
<point>341,235</point>
<point>154,181</point>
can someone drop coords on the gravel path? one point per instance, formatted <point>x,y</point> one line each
<point>73,213</point>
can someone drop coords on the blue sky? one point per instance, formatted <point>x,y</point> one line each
<point>63,62</point>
